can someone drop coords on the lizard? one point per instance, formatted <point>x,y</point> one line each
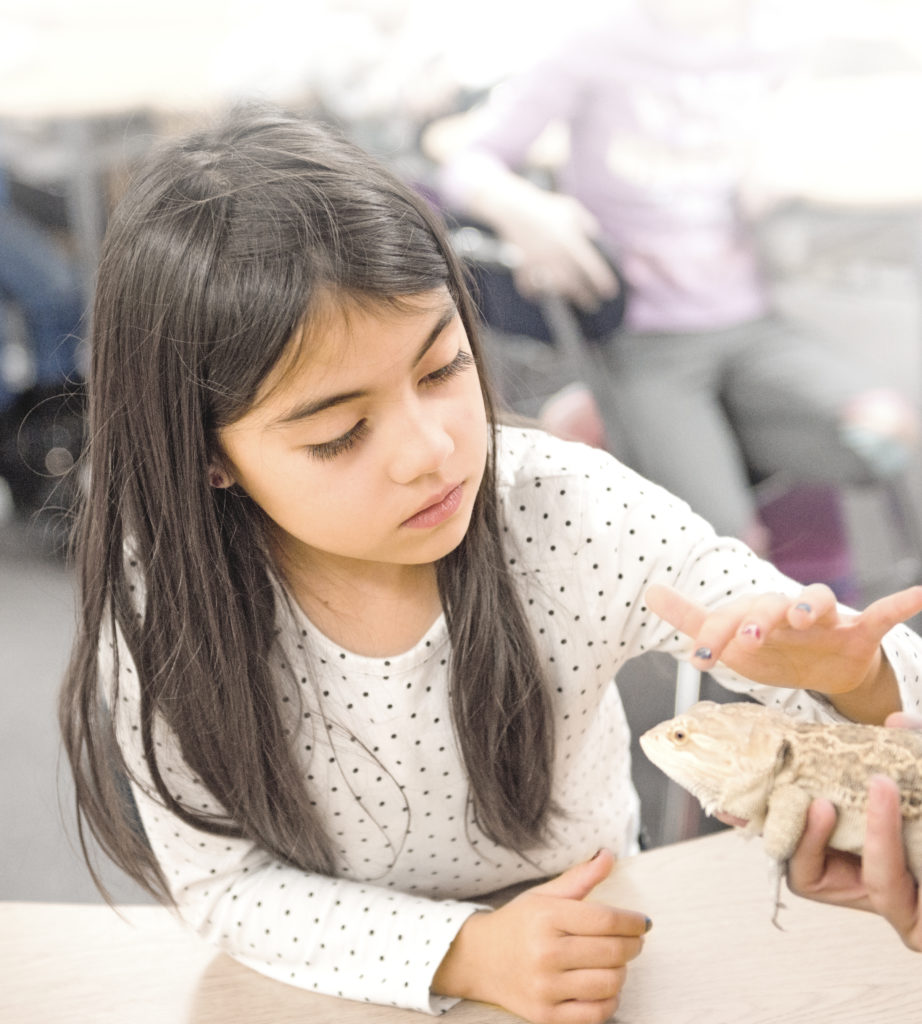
<point>761,766</point>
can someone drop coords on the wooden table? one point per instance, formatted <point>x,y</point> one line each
<point>713,957</point>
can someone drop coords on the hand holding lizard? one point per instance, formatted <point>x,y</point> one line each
<point>879,881</point>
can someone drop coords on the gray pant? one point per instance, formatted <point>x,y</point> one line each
<point>705,414</point>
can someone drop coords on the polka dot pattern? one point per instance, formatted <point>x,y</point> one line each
<point>585,536</point>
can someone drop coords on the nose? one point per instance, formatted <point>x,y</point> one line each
<point>421,443</point>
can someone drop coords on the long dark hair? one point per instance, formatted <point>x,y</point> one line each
<point>211,262</point>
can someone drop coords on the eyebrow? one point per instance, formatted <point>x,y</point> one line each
<point>312,407</point>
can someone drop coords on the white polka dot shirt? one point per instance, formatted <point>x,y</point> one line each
<point>584,536</point>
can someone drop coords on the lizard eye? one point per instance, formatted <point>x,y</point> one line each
<point>678,736</point>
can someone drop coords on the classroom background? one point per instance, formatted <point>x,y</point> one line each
<point>86,88</point>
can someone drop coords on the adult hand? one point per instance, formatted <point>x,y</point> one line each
<point>548,955</point>
<point>554,238</point>
<point>880,880</point>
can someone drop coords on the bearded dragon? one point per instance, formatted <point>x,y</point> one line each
<point>764,767</point>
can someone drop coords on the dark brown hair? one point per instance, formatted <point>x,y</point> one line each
<point>218,252</point>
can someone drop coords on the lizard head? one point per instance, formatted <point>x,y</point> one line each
<point>725,755</point>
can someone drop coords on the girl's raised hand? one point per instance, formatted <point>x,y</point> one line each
<point>799,642</point>
<point>548,955</point>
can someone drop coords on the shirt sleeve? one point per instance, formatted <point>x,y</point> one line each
<point>512,119</point>
<point>329,935</point>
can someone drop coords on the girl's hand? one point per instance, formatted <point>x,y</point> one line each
<point>548,955</point>
<point>879,881</point>
<point>800,642</point>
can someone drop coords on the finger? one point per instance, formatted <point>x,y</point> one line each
<point>674,608</point>
<point>578,881</point>
<point>808,862</point>
<point>891,889</point>
<point>578,951</point>
<point>903,720</point>
<point>587,985</point>
<point>578,1011</point>
<point>731,819</point>
<point>581,918</point>
<point>887,612</point>
<point>601,280</point>
<point>812,604</point>
<point>750,626</point>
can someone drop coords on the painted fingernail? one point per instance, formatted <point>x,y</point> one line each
<point>704,654</point>
<point>648,924</point>
<point>804,607</point>
<point>751,629</point>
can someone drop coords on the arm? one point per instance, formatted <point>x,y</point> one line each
<point>667,583</point>
<point>801,640</point>
<point>880,880</point>
<point>544,955</point>
<point>373,941</point>
<point>331,935</point>
<point>551,233</point>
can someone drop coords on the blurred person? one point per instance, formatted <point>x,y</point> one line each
<point>715,390</point>
<point>41,424</point>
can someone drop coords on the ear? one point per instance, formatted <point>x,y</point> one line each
<point>218,475</point>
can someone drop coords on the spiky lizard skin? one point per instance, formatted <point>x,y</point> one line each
<point>765,767</point>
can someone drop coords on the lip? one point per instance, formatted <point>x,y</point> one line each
<point>439,508</point>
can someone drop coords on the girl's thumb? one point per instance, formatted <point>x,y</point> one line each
<point>577,882</point>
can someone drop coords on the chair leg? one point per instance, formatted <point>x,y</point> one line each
<point>681,811</point>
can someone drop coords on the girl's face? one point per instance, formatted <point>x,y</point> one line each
<point>369,445</point>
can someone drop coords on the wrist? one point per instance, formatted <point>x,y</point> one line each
<point>459,975</point>
<point>875,697</point>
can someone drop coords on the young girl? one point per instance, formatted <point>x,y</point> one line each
<point>352,643</point>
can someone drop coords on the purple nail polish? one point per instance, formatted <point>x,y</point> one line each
<point>704,654</point>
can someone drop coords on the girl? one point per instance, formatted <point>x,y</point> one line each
<point>352,643</point>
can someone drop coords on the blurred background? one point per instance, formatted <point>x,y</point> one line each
<point>88,86</point>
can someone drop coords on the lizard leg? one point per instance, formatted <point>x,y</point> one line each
<point>785,820</point>
<point>784,825</point>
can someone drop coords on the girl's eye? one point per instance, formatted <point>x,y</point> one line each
<point>339,445</point>
<point>462,361</point>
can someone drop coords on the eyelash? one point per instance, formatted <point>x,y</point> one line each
<point>462,361</point>
<point>331,449</point>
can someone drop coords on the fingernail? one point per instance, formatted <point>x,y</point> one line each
<point>704,654</point>
<point>751,629</point>
<point>648,924</point>
<point>803,607</point>
<point>597,852</point>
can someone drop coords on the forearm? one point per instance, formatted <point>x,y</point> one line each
<point>484,187</point>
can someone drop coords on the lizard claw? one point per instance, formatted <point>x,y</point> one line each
<point>779,906</point>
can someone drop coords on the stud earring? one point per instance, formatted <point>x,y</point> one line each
<point>218,478</point>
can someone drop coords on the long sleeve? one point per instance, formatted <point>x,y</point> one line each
<point>329,935</point>
<point>517,113</point>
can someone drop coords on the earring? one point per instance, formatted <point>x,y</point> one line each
<point>218,478</point>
